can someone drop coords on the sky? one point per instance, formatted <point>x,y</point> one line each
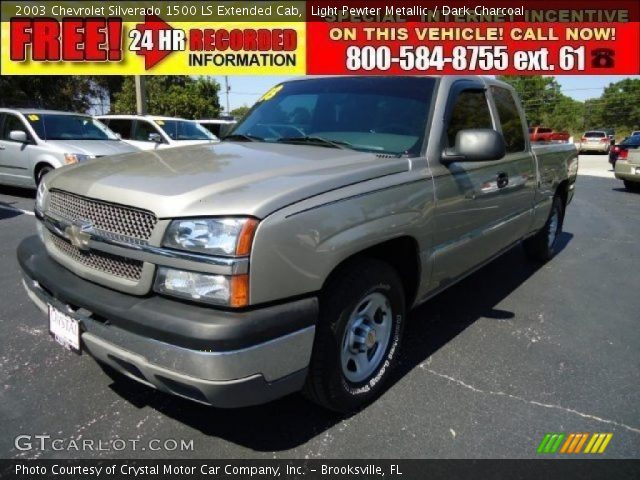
<point>245,90</point>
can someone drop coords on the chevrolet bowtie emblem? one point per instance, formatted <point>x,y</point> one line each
<point>78,234</point>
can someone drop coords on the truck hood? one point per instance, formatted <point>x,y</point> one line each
<point>184,143</point>
<point>98,148</point>
<point>222,179</point>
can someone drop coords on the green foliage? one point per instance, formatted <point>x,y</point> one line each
<point>240,112</point>
<point>64,92</point>
<point>110,84</point>
<point>566,114</point>
<point>179,96</point>
<point>537,94</point>
<point>618,107</point>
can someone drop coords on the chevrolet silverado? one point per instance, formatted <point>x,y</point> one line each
<point>287,257</point>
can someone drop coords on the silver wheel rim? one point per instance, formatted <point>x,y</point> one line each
<point>554,223</point>
<point>366,337</point>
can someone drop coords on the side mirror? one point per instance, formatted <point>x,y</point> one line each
<point>155,137</point>
<point>476,145</point>
<point>18,136</point>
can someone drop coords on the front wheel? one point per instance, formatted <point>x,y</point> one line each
<point>542,246</point>
<point>42,171</point>
<point>358,336</point>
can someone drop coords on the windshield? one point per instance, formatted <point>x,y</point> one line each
<point>377,114</point>
<point>595,134</point>
<point>51,126</point>
<point>184,130</point>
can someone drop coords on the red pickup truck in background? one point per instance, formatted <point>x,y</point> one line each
<point>545,134</point>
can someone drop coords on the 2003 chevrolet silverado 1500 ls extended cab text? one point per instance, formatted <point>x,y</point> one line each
<point>286,257</point>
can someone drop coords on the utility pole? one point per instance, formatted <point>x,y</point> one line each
<point>141,95</point>
<point>226,90</point>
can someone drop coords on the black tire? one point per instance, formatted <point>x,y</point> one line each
<point>41,172</point>
<point>539,247</point>
<point>631,186</point>
<point>326,383</point>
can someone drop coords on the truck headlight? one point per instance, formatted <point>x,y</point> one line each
<point>71,158</point>
<point>41,196</point>
<point>212,236</point>
<point>230,291</point>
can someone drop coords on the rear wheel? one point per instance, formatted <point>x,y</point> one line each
<point>542,246</point>
<point>358,336</point>
<point>631,186</point>
<point>41,172</point>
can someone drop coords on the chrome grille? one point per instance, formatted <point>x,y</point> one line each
<point>101,261</point>
<point>106,217</point>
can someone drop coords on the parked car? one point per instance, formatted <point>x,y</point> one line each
<point>34,142</point>
<point>218,126</point>
<point>622,149</point>
<point>151,132</point>
<point>627,169</point>
<point>611,133</point>
<point>287,257</point>
<point>545,134</point>
<point>595,141</point>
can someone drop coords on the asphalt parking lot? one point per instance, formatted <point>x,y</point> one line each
<point>489,366</point>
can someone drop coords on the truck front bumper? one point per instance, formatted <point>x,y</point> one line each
<point>220,358</point>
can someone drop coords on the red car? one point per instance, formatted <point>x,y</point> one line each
<point>545,134</point>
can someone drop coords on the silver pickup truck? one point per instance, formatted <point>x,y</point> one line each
<point>286,257</point>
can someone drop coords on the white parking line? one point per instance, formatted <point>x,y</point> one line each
<point>26,212</point>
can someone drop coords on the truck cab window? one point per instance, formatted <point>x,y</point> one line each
<point>142,130</point>
<point>120,126</point>
<point>510,119</point>
<point>470,110</point>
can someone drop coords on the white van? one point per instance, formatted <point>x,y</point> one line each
<point>34,142</point>
<point>150,132</point>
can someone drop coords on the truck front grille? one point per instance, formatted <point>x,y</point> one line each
<point>101,261</point>
<point>107,217</point>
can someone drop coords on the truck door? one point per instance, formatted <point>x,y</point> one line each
<point>517,196</point>
<point>471,208</point>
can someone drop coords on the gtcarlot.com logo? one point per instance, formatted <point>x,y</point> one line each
<point>574,443</point>
<point>47,442</point>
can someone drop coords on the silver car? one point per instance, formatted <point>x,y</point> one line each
<point>595,141</point>
<point>34,142</point>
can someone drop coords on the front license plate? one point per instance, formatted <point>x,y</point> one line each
<point>64,329</point>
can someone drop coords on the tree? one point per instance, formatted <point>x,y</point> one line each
<point>537,94</point>
<point>619,105</point>
<point>180,96</point>
<point>64,92</point>
<point>240,112</point>
<point>110,85</point>
<point>565,114</point>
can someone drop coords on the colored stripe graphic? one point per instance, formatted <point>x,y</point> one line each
<point>598,443</point>
<point>550,443</point>
<point>574,442</point>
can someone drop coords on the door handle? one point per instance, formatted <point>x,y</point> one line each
<point>2,147</point>
<point>503,179</point>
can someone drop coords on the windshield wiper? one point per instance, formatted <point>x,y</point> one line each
<point>323,142</point>
<point>244,137</point>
